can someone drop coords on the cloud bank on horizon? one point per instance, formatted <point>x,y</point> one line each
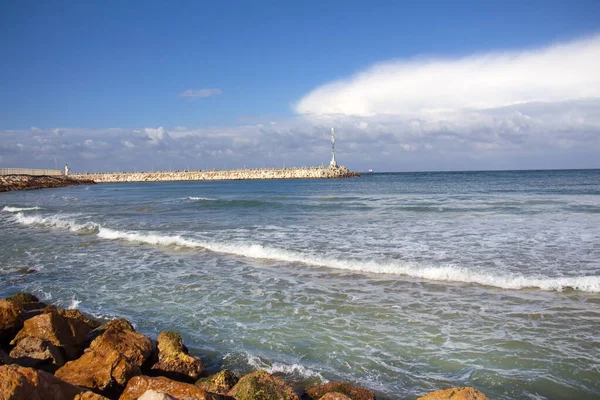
<point>431,88</point>
<point>536,108</point>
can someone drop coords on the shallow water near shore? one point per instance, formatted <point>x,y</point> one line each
<point>401,283</point>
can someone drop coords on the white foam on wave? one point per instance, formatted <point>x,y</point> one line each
<point>19,209</point>
<point>449,273</point>
<point>201,198</point>
<point>55,221</point>
<point>284,369</point>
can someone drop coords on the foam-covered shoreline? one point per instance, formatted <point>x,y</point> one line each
<point>29,182</point>
<point>433,273</point>
<point>221,175</point>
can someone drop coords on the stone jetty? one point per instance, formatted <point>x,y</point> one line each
<point>220,175</point>
<point>29,182</point>
<point>48,352</point>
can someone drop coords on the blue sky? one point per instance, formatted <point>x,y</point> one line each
<point>113,75</point>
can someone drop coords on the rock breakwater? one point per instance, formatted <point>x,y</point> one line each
<point>29,182</point>
<point>112,361</point>
<point>218,175</point>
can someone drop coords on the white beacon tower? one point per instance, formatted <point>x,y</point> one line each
<point>333,163</point>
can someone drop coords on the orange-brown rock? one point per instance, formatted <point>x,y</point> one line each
<point>353,392</point>
<point>38,353</point>
<point>75,314</point>
<point>120,323</point>
<point>335,396</point>
<point>262,385</point>
<point>464,393</point>
<point>154,395</point>
<point>11,320</point>
<point>111,360</point>
<point>134,346</point>
<point>18,383</point>
<point>66,333</point>
<point>105,371</point>
<point>173,359</point>
<point>220,383</point>
<point>140,384</point>
<point>89,396</point>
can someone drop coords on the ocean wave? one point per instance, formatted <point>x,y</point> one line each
<point>296,370</point>
<point>448,273</point>
<point>19,209</point>
<point>200,198</point>
<point>57,222</point>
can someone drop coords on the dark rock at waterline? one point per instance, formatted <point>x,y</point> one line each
<point>174,360</point>
<point>353,392</point>
<point>262,385</point>
<point>220,383</point>
<point>22,299</point>
<point>29,182</point>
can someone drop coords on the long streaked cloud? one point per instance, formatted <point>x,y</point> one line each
<point>438,88</point>
<point>200,93</point>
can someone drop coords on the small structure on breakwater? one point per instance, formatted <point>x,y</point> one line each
<point>215,175</point>
<point>333,171</point>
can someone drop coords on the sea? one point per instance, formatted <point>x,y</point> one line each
<point>403,283</point>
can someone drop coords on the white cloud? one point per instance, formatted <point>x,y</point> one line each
<point>196,93</point>
<point>438,88</point>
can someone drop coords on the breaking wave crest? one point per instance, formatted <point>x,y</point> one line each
<point>296,370</point>
<point>19,209</point>
<point>448,273</point>
<point>57,222</point>
<point>200,198</point>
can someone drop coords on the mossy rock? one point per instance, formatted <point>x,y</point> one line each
<point>261,385</point>
<point>20,298</point>
<point>219,383</point>
<point>353,392</point>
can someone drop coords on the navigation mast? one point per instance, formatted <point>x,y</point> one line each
<point>333,163</point>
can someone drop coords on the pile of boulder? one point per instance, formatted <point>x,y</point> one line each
<point>29,182</point>
<point>56,354</point>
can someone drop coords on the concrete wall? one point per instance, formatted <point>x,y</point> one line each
<point>237,174</point>
<point>30,171</point>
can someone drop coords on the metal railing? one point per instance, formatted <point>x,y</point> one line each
<point>29,171</point>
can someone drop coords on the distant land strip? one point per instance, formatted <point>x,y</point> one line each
<point>218,175</point>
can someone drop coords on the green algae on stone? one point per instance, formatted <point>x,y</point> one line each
<point>353,392</point>
<point>219,383</point>
<point>261,385</point>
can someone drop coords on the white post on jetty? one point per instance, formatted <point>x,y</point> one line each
<point>66,170</point>
<point>333,163</point>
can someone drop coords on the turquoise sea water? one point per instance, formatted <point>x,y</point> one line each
<point>402,283</point>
